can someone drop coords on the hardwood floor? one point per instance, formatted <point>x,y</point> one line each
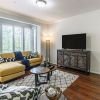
<point>86,87</point>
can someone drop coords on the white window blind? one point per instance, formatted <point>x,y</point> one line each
<point>7,40</point>
<point>27,37</point>
<point>16,36</point>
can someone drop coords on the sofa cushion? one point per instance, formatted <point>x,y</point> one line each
<point>35,63</point>
<point>18,61</point>
<point>7,55</point>
<point>1,60</point>
<point>32,60</point>
<point>26,53</point>
<point>10,68</point>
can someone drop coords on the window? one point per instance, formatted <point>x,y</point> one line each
<point>7,40</point>
<point>16,36</point>
<point>35,36</point>
<point>27,37</point>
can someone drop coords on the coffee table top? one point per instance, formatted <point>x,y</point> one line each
<point>42,70</point>
<point>39,70</point>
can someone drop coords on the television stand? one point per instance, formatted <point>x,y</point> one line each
<point>72,58</point>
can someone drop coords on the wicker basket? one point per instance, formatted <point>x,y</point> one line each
<point>58,93</point>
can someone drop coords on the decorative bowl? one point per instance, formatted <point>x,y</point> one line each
<point>53,92</point>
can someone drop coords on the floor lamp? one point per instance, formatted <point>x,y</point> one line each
<point>48,50</point>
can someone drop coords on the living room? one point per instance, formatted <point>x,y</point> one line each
<point>31,34</point>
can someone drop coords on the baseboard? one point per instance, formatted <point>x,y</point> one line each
<point>95,72</point>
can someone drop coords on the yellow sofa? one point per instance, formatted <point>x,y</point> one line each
<point>11,70</point>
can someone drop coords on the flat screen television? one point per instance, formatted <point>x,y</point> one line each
<point>74,41</point>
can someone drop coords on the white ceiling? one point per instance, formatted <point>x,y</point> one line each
<point>54,10</point>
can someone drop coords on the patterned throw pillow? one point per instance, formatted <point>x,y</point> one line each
<point>31,56</point>
<point>1,60</point>
<point>9,59</point>
<point>28,57</point>
<point>13,59</point>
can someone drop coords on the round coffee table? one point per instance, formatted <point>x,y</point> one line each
<point>41,70</point>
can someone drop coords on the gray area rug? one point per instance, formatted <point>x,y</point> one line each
<point>58,78</point>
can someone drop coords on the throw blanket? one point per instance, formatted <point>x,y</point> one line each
<point>19,56</point>
<point>26,63</point>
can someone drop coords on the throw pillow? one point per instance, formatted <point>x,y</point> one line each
<point>5,59</point>
<point>13,59</point>
<point>1,60</point>
<point>9,59</point>
<point>28,57</point>
<point>35,54</point>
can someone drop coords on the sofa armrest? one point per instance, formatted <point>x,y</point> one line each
<point>40,56</point>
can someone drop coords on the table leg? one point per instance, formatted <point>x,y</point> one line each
<point>36,80</point>
<point>48,77</point>
<point>51,73</point>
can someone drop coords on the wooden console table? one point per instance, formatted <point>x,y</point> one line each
<point>76,59</point>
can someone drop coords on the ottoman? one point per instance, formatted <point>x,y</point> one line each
<point>19,93</point>
<point>11,70</point>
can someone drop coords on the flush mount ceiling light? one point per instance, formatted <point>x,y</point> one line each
<point>41,3</point>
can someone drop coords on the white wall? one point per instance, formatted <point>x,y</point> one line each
<point>85,23</point>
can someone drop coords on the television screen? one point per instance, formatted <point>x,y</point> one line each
<point>75,41</point>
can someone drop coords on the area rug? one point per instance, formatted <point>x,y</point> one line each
<point>58,78</point>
